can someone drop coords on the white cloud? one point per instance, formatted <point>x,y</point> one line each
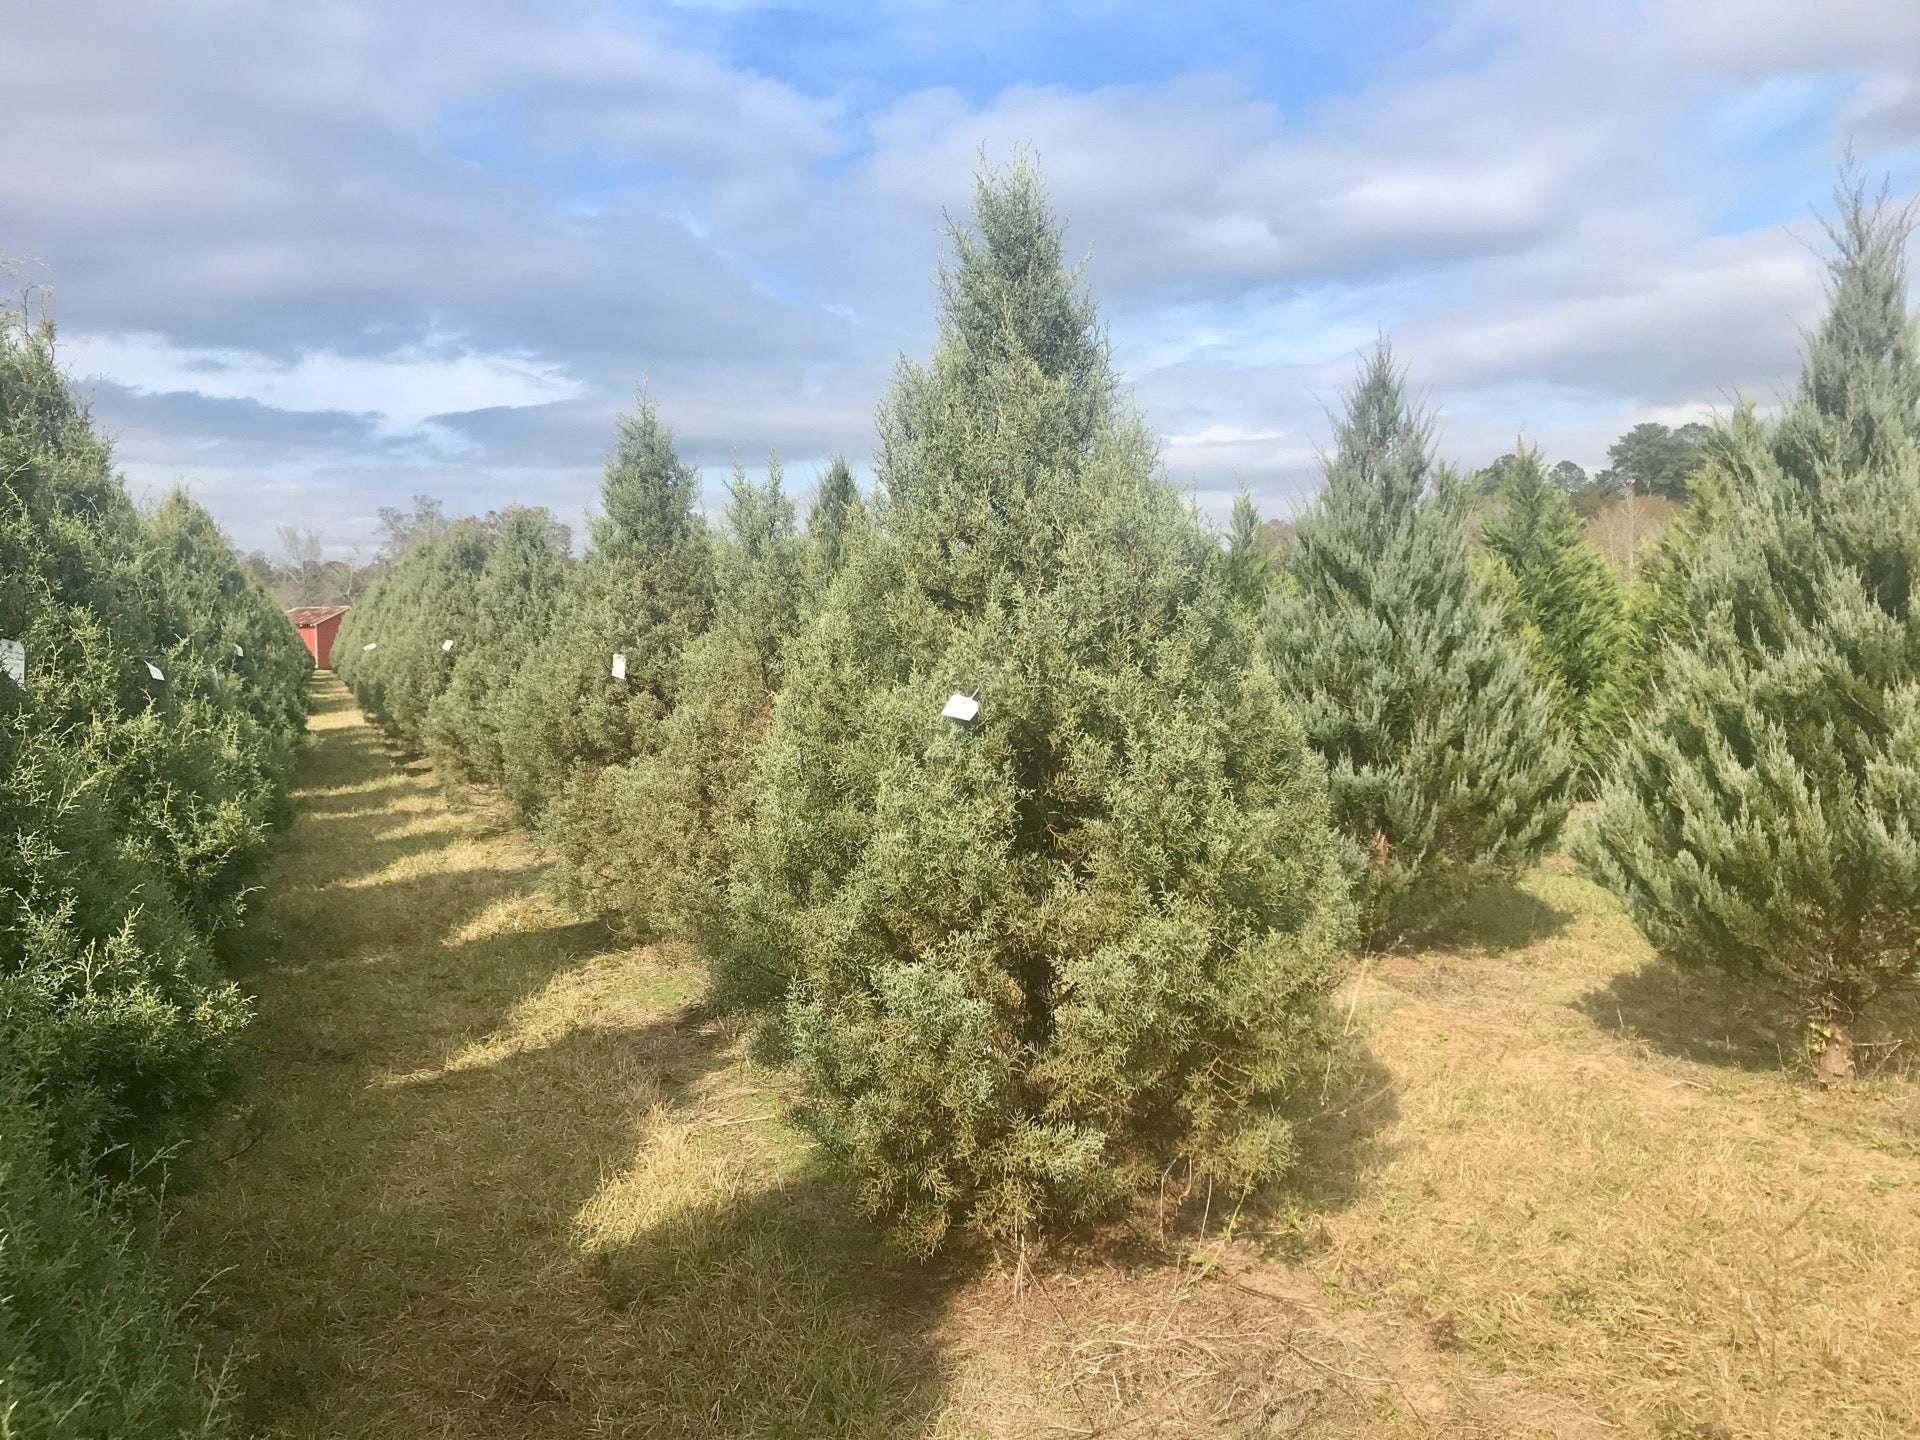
<point>404,388</point>
<point>266,223</point>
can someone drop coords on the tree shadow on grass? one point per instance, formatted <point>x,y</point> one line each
<point>1712,1017</point>
<point>1340,1144</point>
<point>430,1271</point>
<point>1500,915</point>
<point>1706,1016</point>
<point>502,1189</point>
<point>777,1313</point>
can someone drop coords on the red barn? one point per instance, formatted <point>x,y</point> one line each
<point>318,624</point>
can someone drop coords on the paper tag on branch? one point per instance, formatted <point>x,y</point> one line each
<point>446,644</point>
<point>155,671</point>
<point>242,654</point>
<point>961,707</point>
<point>370,644</point>
<point>619,667</point>
<point>13,661</point>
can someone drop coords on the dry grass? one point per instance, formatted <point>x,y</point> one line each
<point>517,1183</point>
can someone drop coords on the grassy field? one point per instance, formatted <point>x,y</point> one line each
<point>509,1179</point>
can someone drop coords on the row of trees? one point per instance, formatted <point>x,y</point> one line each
<point>1023,961</point>
<point>150,708</point>
<point>1650,461</point>
<point>1038,822</point>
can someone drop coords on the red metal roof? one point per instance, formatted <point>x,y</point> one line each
<point>306,616</point>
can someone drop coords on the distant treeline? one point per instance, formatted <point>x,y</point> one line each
<point>1037,822</point>
<point>152,696</point>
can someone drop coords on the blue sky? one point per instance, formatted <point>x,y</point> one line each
<point>310,259</point>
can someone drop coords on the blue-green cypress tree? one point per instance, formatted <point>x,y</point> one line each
<point>1567,606</point>
<point>1034,957</point>
<point>1444,760</point>
<point>1765,816</point>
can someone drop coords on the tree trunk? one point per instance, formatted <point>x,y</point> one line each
<point>1836,1058</point>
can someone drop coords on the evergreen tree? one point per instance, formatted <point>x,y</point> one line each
<point>1765,818</point>
<point>1034,957</point>
<point>643,589</point>
<point>679,808</point>
<point>134,808</point>
<point>835,510</point>
<point>1249,564</point>
<point>1567,605</point>
<point>1445,763</point>
<point>408,618</point>
<point>514,598</point>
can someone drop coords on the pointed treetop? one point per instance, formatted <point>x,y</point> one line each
<point>648,496</point>
<point>1007,294</point>
<point>1248,564</point>
<point>833,509</point>
<point>758,512</point>
<point>1863,355</point>
<point>1381,461</point>
<point>1533,510</point>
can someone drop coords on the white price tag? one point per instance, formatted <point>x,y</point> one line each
<point>961,707</point>
<point>446,644</point>
<point>13,661</point>
<point>242,654</point>
<point>155,671</point>
<point>619,667</point>
<point>370,644</point>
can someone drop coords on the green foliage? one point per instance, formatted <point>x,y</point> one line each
<point>1765,817</point>
<point>643,590</point>
<point>1445,763</point>
<point>392,647</point>
<point>1033,960</point>
<point>1249,557</point>
<point>93,1339</point>
<point>1567,605</point>
<point>836,510</point>
<point>135,810</point>
<point>513,602</point>
<point>1651,459</point>
<point>679,809</point>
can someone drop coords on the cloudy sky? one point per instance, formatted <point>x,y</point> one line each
<point>311,258</point>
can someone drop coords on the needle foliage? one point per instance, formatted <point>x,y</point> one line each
<point>1031,961</point>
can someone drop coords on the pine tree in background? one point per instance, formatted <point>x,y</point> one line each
<point>644,588</point>
<point>1566,604</point>
<point>679,808</point>
<point>1765,818</point>
<point>514,597</point>
<point>430,598</point>
<point>836,509</point>
<point>1249,564</point>
<point>1446,766</point>
<point>1035,957</point>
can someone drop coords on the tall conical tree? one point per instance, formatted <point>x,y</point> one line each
<point>644,588</point>
<point>679,808</point>
<point>1037,953</point>
<point>1567,605</point>
<point>1249,567</point>
<point>1445,764</point>
<point>836,508</point>
<point>1765,818</point>
<point>514,597</point>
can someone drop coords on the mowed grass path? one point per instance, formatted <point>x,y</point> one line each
<point>511,1181</point>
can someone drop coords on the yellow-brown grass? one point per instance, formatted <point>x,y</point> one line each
<point>514,1181</point>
